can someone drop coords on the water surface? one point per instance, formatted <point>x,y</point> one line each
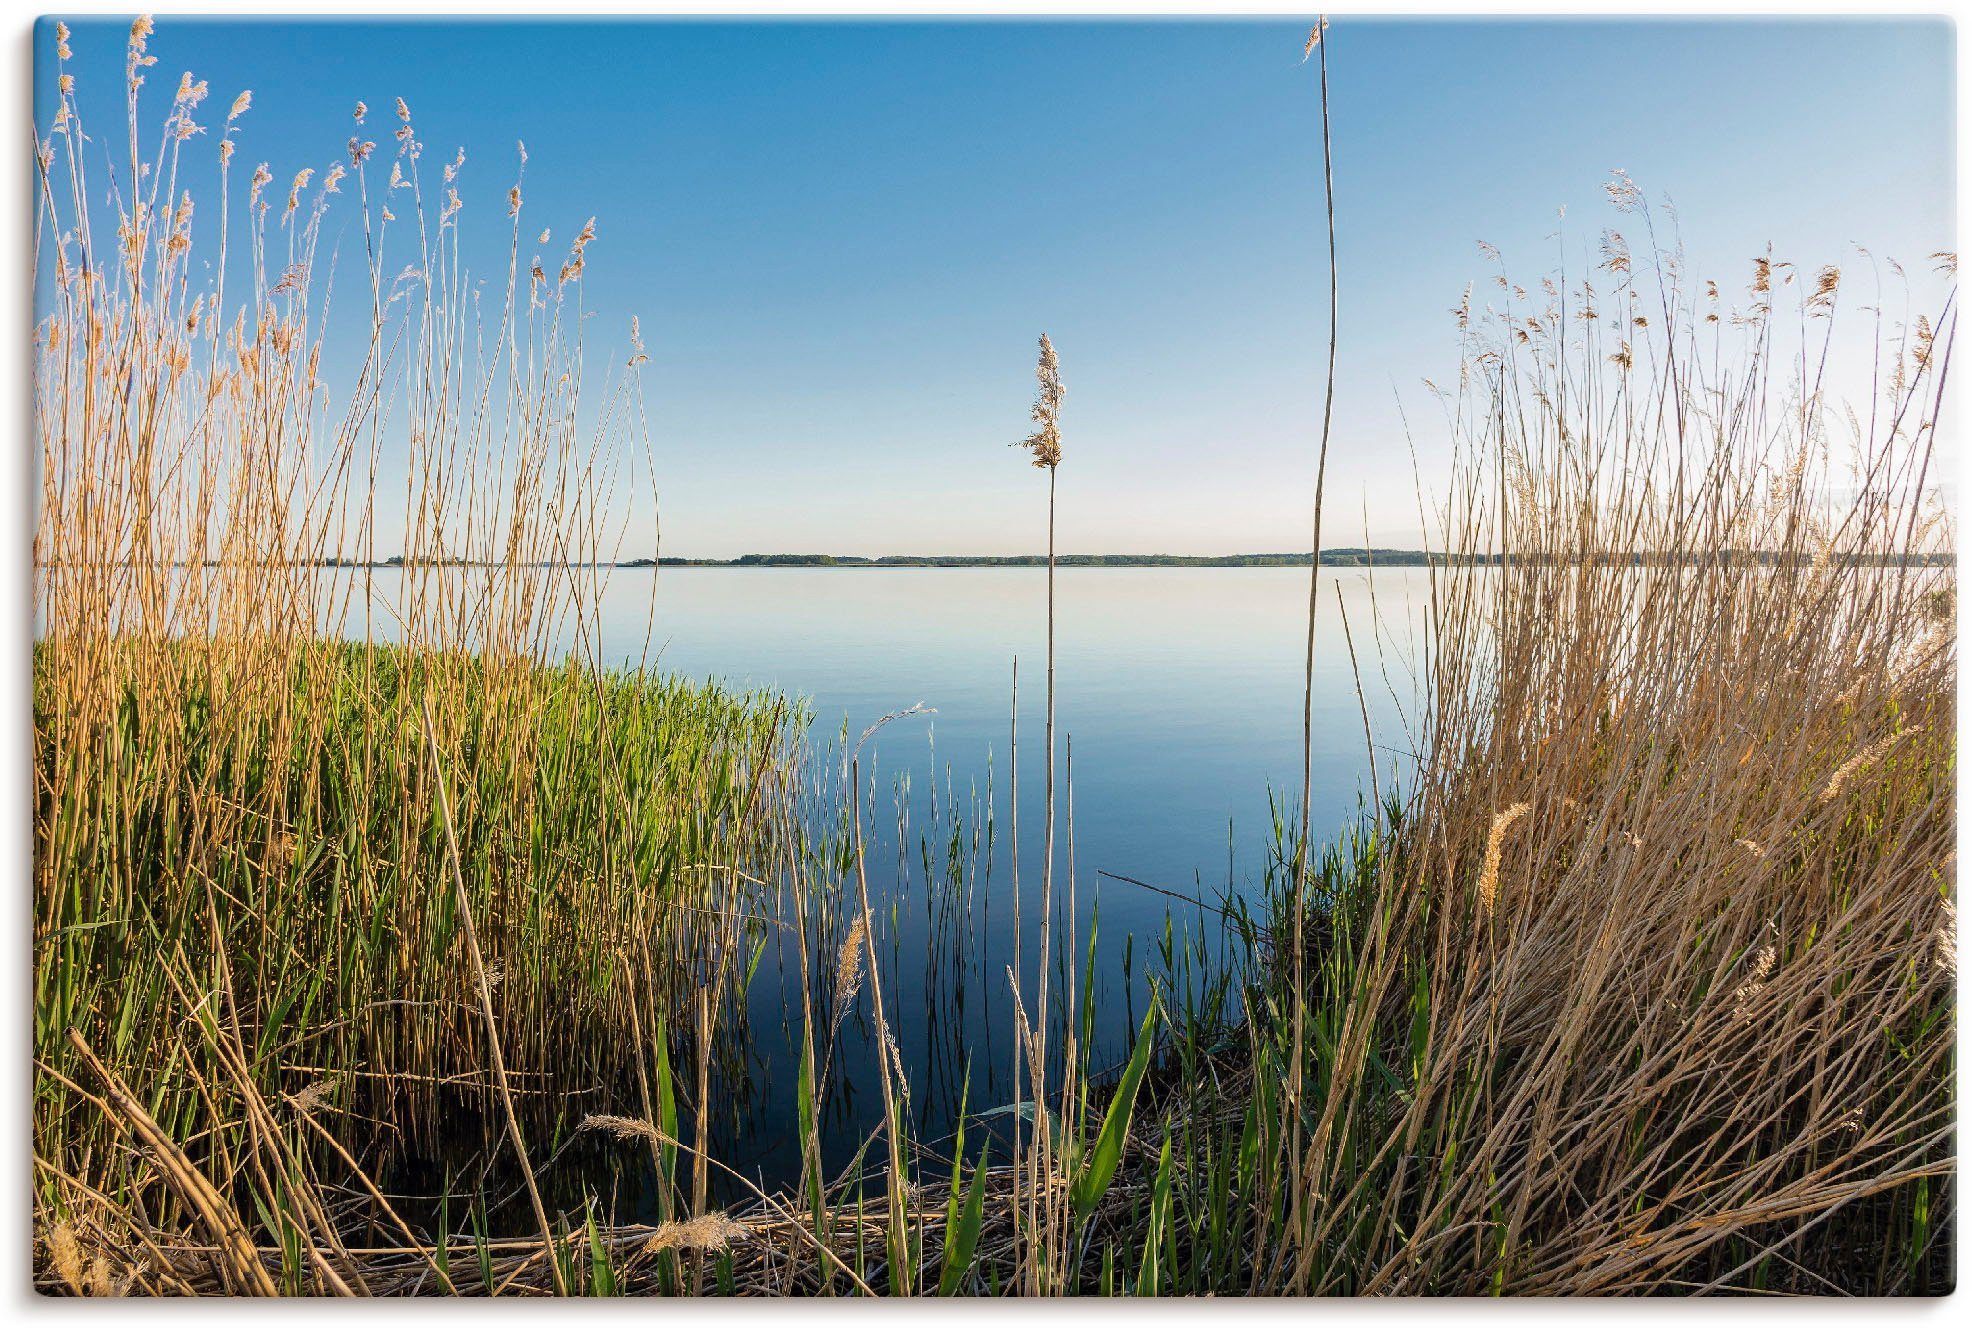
<point>1179,700</point>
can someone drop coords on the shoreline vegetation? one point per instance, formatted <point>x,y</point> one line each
<point>424,968</point>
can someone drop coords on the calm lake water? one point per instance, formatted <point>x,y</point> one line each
<point>1179,696</point>
<point>1180,692</point>
<point>1179,688</point>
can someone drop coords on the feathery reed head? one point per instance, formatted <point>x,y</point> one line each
<point>1314,38</point>
<point>711,1233</point>
<point>1748,992</point>
<point>1844,772</point>
<point>65,1252</point>
<point>571,268</point>
<point>1045,442</point>
<point>315,1096</point>
<point>621,1127</point>
<point>1489,873</point>
<point>849,968</point>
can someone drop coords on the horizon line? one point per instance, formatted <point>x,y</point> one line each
<point>1341,556</point>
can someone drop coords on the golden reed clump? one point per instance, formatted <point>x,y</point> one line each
<point>1761,832</point>
<point>220,567</point>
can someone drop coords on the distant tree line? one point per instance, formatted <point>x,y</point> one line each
<point>1330,558</point>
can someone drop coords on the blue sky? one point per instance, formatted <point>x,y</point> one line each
<point>843,238</point>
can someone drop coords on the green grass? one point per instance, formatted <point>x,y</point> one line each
<point>264,843</point>
<point>1645,984</point>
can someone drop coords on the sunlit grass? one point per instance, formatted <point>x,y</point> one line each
<point>1638,977</point>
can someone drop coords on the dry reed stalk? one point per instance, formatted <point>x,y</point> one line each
<point>237,1262</point>
<point>498,1061</point>
<point>897,1237</point>
<point>702,1111</point>
<point>1044,448</point>
<point>634,996</point>
<point>369,1186</point>
<point>1655,538</point>
<point>1297,1183</point>
<point>1013,849</point>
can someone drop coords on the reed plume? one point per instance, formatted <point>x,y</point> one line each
<point>1044,444</point>
<point>709,1233</point>
<point>1489,872</point>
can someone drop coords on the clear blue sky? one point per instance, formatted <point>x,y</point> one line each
<point>843,237</point>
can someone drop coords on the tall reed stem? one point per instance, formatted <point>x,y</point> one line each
<point>1046,1141</point>
<point>485,990</point>
<point>1295,1071</point>
<point>1044,446</point>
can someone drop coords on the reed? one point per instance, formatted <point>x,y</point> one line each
<point>1637,988</point>
<point>1315,46</point>
<point>263,761</point>
<point>1637,978</point>
<point>1043,446</point>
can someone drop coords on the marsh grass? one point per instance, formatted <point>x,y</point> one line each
<point>1638,977</point>
<point>1638,987</point>
<point>248,833</point>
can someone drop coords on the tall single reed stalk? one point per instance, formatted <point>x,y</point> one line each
<point>1043,446</point>
<point>1314,45</point>
<point>1013,851</point>
<point>889,1069</point>
<point>485,988</point>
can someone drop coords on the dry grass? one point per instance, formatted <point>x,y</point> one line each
<point>1645,985</point>
<point>1669,1020</point>
<point>292,895</point>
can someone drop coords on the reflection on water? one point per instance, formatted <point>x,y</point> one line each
<point>1179,710</point>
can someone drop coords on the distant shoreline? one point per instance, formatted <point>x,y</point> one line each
<point>1330,557</point>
